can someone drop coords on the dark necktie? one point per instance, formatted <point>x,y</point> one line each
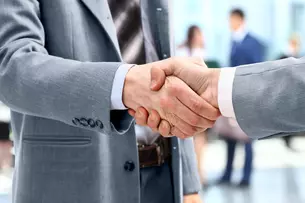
<point>126,15</point>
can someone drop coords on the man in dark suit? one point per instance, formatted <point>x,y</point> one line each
<point>246,49</point>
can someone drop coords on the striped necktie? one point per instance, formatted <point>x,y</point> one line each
<point>126,15</point>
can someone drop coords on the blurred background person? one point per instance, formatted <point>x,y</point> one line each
<point>5,142</point>
<point>194,46</point>
<point>245,49</point>
<point>5,151</point>
<point>293,47</point>
<point>5,148</point>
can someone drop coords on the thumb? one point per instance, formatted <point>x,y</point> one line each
<point>132,112</point>
<point>157,78</point>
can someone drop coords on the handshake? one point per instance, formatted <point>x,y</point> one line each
<point>176,96</point>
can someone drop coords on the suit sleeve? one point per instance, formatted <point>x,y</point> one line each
<point>35,83</point>
<point>268,98</point>
<point>190,175</point>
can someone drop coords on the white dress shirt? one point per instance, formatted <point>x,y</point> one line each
<point>240,34</point>
<point>144,134</point>
<point>117,87</point>
<point>225,90</point>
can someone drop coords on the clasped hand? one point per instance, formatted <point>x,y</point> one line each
<point>177,96</point>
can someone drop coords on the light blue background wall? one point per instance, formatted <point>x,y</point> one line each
<point>273,21</point>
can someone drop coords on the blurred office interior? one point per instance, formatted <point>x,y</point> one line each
<point>272,21</point>
<point>279,172</point>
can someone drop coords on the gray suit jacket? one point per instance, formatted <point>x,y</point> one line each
<point>58,59</point>
<point>268,98</point>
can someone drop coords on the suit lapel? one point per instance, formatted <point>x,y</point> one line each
<point>155,21</point>
<point>100,10</point>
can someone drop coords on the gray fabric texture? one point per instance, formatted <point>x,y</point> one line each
<point>268,98</point>
<point>58,59</point>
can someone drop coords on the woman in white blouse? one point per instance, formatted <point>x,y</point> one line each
<point>194,47</point>
<point>194,44</point>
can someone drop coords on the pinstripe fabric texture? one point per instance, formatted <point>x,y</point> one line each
<point>126,15</point>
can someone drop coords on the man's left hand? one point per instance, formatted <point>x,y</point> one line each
<point>193,198</point>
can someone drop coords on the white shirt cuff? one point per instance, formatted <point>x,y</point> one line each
<point>225,90</point>
<point>118,86</point>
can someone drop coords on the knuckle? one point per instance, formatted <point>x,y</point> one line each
<point>197,105</point>
<point>174,131</point>
<point>214,113</point>
<point>137,117</point>
<point>152,125</point>
<point>152,119</point>
<point>172,118</point>
<point>193,131</point>
<point>173,89</point>
<point>195,121</point>
<point>166,102</point>
<point>164,128</point>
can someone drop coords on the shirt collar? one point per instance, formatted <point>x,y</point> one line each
<point>240,34</point>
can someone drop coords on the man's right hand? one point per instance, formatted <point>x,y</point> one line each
<point>202,80</point>
<point>175,102</point>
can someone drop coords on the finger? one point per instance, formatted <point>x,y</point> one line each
<point>178,133</point>
<point>141,116</point>
<point>202,108</point>
<point>184,118</point>
<point>185,127</point>
<point>164,128</point>
<point>131,112</point>
<point>194,103</point>
<point>154,120</point>
<point>162,69</point>
<point>157,78</point>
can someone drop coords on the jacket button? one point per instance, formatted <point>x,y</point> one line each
<point>91,122</point>
<point>129,166</point>
<point>83,122</point>
<point>99,124</point>
<point>74,121</point>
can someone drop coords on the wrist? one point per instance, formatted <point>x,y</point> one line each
<point>214,81</point>
<point>128,88</point>
<point>136,86</point>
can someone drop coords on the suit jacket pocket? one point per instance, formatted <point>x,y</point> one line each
<point>57,140</point>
